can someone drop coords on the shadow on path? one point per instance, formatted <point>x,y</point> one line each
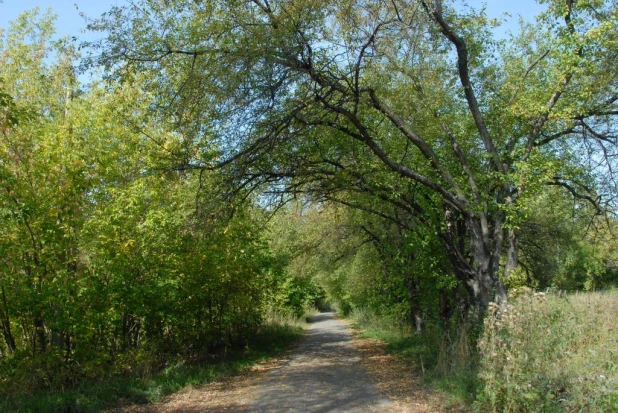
<point>322,375</point>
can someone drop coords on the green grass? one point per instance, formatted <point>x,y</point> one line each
<point>95,396</point>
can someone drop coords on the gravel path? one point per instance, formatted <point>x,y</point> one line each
<point>323,374</point>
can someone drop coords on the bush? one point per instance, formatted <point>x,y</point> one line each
<point>551,353</point>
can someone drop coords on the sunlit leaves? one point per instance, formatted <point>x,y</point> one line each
<point>112,245</point>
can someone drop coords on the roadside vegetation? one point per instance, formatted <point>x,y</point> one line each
<point>551,353</point>
<point>446,366</point>
<point>546,352</point>
<point>122,277</point>
<point>139,387</point>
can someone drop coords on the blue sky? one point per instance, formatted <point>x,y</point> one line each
<point>70,23</point>
<point>527,9</point>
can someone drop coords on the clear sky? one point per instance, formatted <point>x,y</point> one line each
<point>70,23</point>
<point>527,9</point>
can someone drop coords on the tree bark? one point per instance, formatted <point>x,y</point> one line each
<point>477,268</point>
<point>6,324</point>
<point>415,308</point>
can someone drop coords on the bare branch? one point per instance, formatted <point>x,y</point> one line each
<point>576,194</point>
<point>364,136</point>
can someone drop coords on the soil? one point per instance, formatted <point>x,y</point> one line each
<point>330,370</point>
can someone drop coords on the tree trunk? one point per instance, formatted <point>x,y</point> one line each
<point>57,335</point>
<point>5,322</point>
<point>446,309</point>
<point>415,308</point>
<point>485,281</point>
<point>67,347</point>
<point>477,267</point>
<point>40,336</point>
<point>512,254</point>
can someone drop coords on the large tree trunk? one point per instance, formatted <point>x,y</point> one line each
<point>485,281</point>
<point>478,267</point>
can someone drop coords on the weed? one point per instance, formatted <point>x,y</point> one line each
<point>549,353</point>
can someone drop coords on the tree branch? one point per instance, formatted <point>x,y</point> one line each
<point>436,15</point>
<point>573,191</point>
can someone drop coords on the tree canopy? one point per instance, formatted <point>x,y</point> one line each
<point>411,106</point>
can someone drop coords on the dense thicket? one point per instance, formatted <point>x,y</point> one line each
<point>112,258</point>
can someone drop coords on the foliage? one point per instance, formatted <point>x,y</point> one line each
<point>562,247</point>
<point>550,353</point>
<point>291,243</point>
<point>408,110</point>
<point>115,261</point>
<point>99,394</point>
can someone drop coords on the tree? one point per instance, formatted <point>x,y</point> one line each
<point>562,247</point>
<point>113,255</point>
<point>322,97</point>
<point>42,185</point>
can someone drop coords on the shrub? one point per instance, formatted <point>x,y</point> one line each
<point>551,353</point>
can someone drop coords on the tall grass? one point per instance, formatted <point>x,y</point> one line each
<point>543,353</point>
<point>551,353</point>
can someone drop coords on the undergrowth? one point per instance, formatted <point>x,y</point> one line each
<point>551,353</point>
<point>276,334</point>
<point>544,353</point>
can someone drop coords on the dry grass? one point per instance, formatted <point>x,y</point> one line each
<point>551,353</point>
<point>396,378</point>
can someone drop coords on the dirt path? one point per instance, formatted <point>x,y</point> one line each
<point>322,375</point>
<point>326,372</point>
